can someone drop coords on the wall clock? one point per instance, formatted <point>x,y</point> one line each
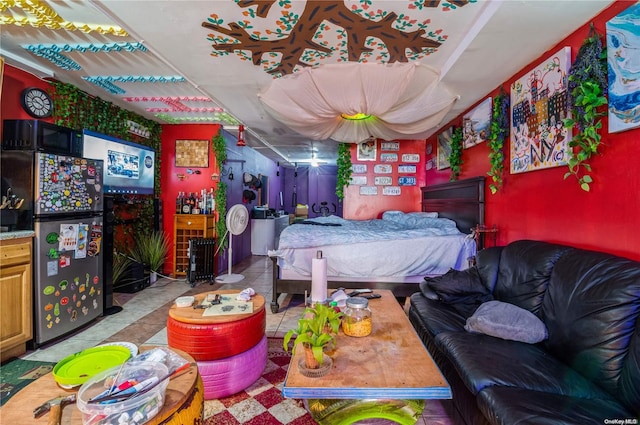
<point>36,102</point>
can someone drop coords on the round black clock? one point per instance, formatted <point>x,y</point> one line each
<point>36,102</point>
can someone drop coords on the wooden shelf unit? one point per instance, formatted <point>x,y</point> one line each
<point>189,226</point>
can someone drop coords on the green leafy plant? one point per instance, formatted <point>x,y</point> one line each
<point>587,93</point>
<point>121,263</point>
<point>220,194</point>
<point>219,147</point>
<point>497,138</point>
<point>344,169</point>
<point>317,328</point>
<point>455,158</point>
<point>151,250</point>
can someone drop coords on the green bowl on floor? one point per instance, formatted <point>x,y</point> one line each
<point>77,368</point>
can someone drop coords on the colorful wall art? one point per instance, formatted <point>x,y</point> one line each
<point>539,138</point>
<point>476,125</point>
<point>444,148</point>
<point>623,42</point>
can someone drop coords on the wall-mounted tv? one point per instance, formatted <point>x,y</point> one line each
<point>128,166</point>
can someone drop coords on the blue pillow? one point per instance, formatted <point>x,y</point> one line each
<point>507,321</point>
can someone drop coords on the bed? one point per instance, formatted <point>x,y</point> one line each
<point>395,252</point>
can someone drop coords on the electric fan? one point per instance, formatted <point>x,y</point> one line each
<point>237,220</point>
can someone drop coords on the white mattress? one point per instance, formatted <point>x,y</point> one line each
<point>403,260</point>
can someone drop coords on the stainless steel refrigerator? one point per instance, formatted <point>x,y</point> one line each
<point>65,200</point>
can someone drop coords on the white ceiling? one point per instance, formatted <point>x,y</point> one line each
<point>159,60</point>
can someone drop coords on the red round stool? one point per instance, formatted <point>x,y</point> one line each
<point>208,338</point>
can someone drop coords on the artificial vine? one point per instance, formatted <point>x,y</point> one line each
<point>344,169</point>
<point>455,158</point>
<point>221,206</point>
<point>219,147</point>
<point>497,137</point>
<point>76,109</point>
<point>587,93</point>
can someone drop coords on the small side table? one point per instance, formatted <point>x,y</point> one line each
<point>481,232</point>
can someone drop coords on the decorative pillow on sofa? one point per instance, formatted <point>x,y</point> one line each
<point>507,321</point>
<point>463,289</point>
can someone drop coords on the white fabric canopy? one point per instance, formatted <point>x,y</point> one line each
<point>405,100</point>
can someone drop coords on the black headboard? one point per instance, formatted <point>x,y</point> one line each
<point>461,201</point>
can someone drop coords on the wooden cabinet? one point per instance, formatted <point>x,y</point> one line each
<point>189,226</point>
<point>16,326</point>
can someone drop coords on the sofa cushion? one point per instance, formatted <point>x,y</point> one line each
<point>463,289</point>
<point>482,361</point>
<point>507,321</point>
<point>507,405</point>
<point>591,310</point>
<point>488,265</point>
<point>525,269</point>
<point>435,316</point>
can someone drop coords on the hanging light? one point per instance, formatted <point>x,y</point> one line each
<point>241,136</point>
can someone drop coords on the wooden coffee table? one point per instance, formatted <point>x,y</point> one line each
<point>386,375</point>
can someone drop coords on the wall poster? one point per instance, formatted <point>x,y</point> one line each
<point>476,125</point>
<point>623,43</point>
<point>539,138</point>
<point>444,148</point>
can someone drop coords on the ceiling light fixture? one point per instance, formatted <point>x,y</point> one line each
<point>351,101</point>
<point>355,117</point>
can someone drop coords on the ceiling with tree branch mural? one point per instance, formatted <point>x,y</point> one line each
<point>192,61</point>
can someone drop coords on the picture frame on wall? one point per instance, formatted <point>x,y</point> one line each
<point>538,136</point>
<point>192,153</point>
<point>623,32</point>
<point>367,150</point>
<point>476,125</point>
<point>444,149</point>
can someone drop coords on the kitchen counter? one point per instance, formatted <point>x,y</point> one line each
<point>17,234</point>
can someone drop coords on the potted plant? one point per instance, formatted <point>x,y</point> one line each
<point>151,250</point>
<point>317,330</point>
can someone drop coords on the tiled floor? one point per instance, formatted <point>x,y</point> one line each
<point>144,315</point>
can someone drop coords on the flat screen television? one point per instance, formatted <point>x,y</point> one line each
<point>128,167</point>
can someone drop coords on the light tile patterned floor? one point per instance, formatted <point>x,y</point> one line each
<point>144,314</point>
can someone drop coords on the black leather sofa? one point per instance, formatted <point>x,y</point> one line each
<point>587,371</point>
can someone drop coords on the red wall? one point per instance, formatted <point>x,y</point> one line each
<point>14,81</point>
<point>542,205</point>
<point>170,183</point>
<point>364,207</point>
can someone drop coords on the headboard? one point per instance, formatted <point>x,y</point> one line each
<point>461,201</point>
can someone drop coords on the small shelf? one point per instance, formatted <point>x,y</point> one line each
<point>189,226</point>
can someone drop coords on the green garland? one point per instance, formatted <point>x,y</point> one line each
<point>587,93</point>
<point>455,158</point>
<point>76,109</point>
<point>344,169</point>
<point>220,194</point>
<point>497,138</point>
<point>219,148</point>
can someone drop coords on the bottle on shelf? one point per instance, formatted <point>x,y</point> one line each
<point>186,205</point>
<point>179,200</point>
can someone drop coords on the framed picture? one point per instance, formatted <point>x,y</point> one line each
<point>192,153</point>
<point>623,33</point>
<point>367,150</point>
<point>539,138</point>
<point>444,148</point>
<point>476,125</point>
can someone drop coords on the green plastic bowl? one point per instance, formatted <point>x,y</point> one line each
<point>77,368</point>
